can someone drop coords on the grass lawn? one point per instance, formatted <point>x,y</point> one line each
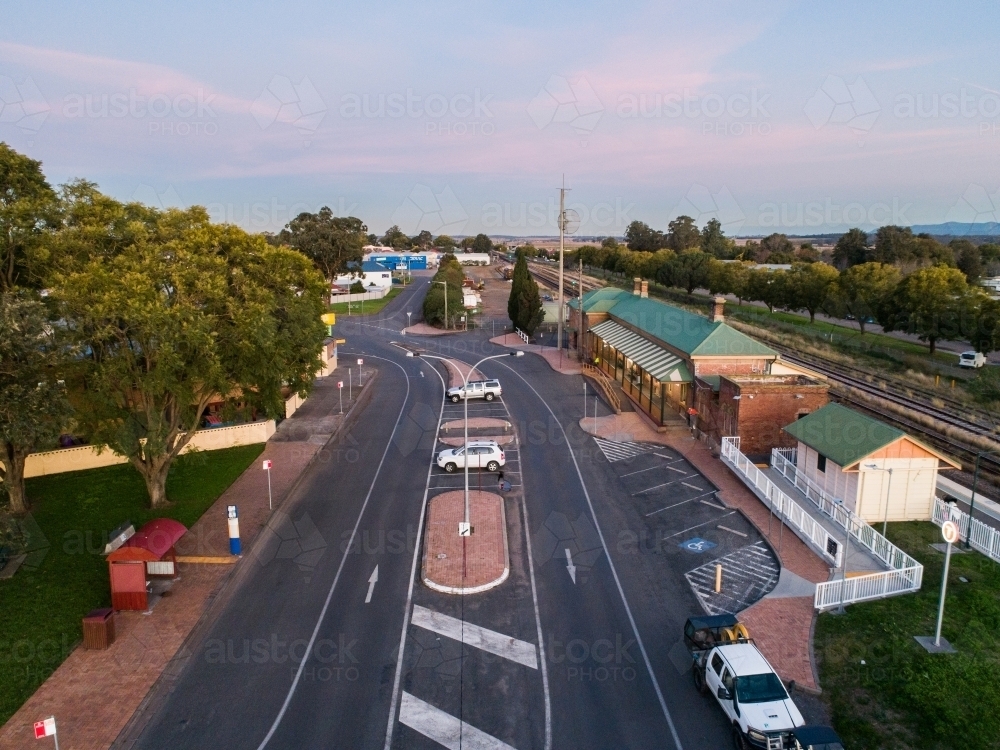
<point>885,690</point>
<point>41,606</point>
<point>368,306</point>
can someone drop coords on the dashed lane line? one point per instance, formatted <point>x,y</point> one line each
<point>443,728</point>
<point>484,639</point>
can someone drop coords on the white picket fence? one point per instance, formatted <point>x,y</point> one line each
<point>985,538</point>
<point>906,574</point>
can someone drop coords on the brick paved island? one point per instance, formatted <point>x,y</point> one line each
<point>454,564</point>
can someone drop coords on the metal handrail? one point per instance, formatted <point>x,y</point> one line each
<point>984,538</point>
<point>905,576</point>
<point>604,382</point>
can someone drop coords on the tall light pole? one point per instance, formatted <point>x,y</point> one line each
<point>562,237</point>
<point>445,302</point>
<point>465,398</point>
<point>888,494</point>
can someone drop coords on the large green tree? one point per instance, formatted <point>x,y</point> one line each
<point>640,237</point>
<point>446,284</point>
<point>714,240</point>
<point>481,244</point>
<point>333,243</point>
<point>524,306</point>
<point>683,234</point>
<point>28,214</point>
<point>929,303</point>
<point>33,405</point>
<point>860,290</point>
<point>689,271</point>
<point>809,286</point>
<point>766,286</point>
<point>169,325</point>
<point>851,249</point>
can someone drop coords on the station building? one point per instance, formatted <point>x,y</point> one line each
<point>676,366</point>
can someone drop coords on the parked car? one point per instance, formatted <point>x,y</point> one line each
<point>971,359</point>
<point>482,454</point>
<point>488,389</point>
<point>730,667</point>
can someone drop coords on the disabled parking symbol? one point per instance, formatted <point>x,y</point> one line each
<point>697,545</point>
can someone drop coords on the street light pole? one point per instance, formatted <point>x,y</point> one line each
<point>562,233</point>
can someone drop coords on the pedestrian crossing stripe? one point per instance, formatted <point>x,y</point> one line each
<point>615,451</point>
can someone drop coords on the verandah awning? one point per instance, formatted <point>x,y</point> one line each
<point>660,363</point>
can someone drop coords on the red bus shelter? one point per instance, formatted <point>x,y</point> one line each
<point>149,553</point>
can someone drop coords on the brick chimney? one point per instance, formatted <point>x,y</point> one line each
<point>717,310</point>
<point>636,286</point>
<point>644,289</point>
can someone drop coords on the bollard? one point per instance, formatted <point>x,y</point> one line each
<point>937,380</point>
<point>718,578</point>
<point>234,530</point>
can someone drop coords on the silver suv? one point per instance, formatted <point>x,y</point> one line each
<point>488,389</point>
<point>482,454</point>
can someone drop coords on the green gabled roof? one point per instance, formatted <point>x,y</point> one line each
<point>843,435</point>
<point>688,332</point>
<point>601,300</point>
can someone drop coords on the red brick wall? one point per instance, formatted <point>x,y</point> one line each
<point>758,421</point>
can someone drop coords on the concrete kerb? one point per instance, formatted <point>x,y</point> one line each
<point>222,595</point>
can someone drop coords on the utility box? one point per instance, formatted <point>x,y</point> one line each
<point>99,629</point>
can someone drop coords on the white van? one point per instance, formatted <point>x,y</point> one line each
<point>971,359</point>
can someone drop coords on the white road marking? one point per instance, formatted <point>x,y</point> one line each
<point>401,650</point>
<point>698,526</point>
<point>445,729</point>
<point>343,560</point>
<point>615,451</point>
<point>653,513</point>
<point>490,641</point>
<point>371,585</point>
<point>614,574</point>
<point>679,471</point>
<point>731,531</point>
<point>570,566</point>
<point>692,486</point>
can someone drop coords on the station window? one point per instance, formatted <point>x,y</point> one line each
<point>820,463</point>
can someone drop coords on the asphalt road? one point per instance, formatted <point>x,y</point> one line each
<point>608,670</point>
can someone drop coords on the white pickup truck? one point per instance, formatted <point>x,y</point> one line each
<point>745,686</point>
<point>487,389</point>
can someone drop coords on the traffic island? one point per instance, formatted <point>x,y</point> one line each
<point>454,564</point>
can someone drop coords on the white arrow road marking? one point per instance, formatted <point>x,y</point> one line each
<point>371,585</point>
<point>473,635</point>
<point>570,566</point>
<point>444,728</point>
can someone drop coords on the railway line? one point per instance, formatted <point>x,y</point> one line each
<point>550,277</point>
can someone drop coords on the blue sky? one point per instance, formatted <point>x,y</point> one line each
<point>463,117</point>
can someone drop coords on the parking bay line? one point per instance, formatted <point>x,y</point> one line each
<point>698,526</point>
<point>653,513</point>
<point>443,728</point>
<point>490,641</point>
<point>658,466</point>
<point>667,484</point>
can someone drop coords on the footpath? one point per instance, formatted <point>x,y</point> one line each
<point>99,697</point>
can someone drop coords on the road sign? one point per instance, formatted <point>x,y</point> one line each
<point>464,529</point>
<point>45,728</point>
<point>340,383</point>
<point>949,530</point>
<point>360,362</point>
<point>231,511</point>
<point>329,318</point>
<point>267,464</point>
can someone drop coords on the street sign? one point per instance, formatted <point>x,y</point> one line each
<point>340,383</point>
<point>329,319</point>
<point>231,511</point>
<point>45,728</point>
<point>267,464</point>
<point>949,530</point>
<point>464,529</point>
<point>360,362</point>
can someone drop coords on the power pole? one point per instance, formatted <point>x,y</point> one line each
<point>562,228</point>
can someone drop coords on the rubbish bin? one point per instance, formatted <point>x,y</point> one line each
<point>99,629</point>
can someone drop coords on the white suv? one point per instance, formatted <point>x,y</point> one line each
<point>488,389</point>
<point>751,694</point>
<point>972,359</point>
<point>483,454</point>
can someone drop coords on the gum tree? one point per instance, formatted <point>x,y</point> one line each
<point>33,405</point>
<point>177,320</point>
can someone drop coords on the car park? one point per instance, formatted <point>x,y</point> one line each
<point>487,389</point>
<point>481,454</point>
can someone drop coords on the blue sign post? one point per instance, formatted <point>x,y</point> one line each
<point>234,530</point>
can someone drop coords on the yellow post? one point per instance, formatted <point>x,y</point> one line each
<point>937,380</point>
<point>718,578</point>
<point>953,383</point>
<point>330,320</point>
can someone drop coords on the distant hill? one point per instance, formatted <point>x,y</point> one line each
<point>960,229</point>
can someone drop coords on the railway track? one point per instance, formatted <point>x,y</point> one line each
<point>550,276</point>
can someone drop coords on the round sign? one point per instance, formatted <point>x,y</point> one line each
<point>949,530</point>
